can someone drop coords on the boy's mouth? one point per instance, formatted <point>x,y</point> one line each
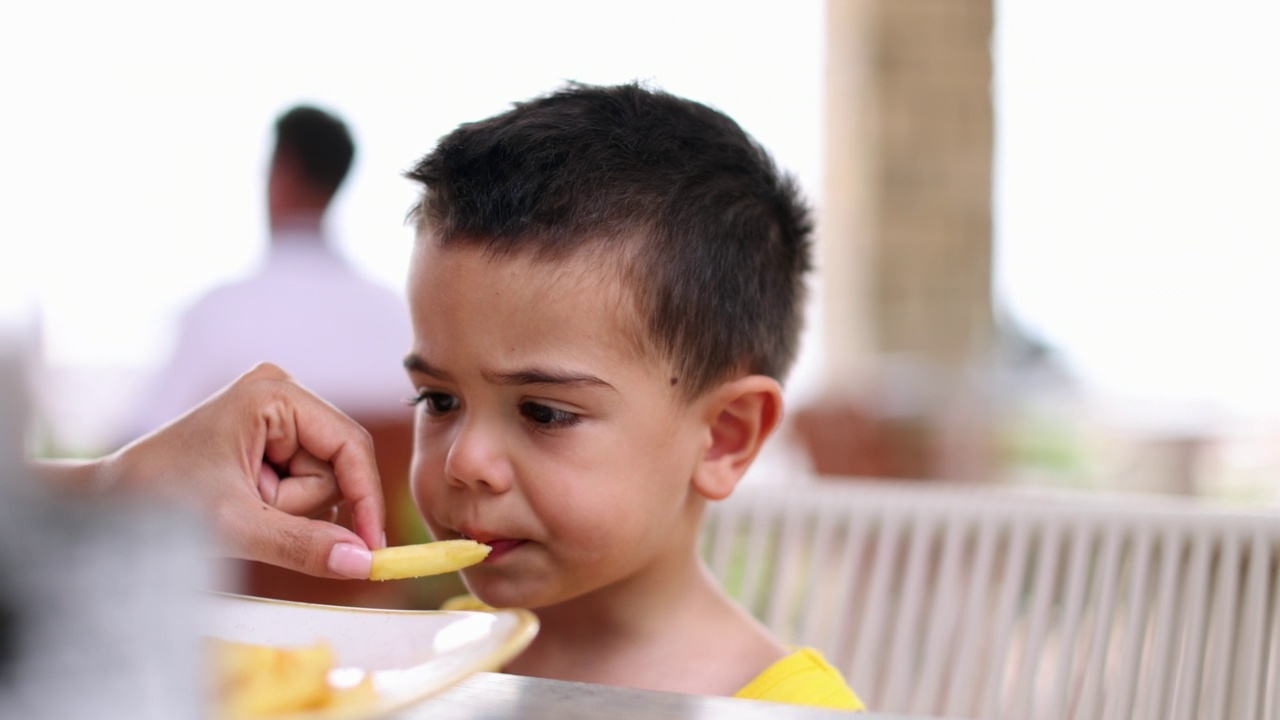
<point>498,546</point>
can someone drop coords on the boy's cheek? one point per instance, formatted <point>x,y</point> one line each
<point>437,532</point>
<point>421,488</point>
<point>427,466</point>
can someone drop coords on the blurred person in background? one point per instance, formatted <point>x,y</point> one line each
<point>307,309</point>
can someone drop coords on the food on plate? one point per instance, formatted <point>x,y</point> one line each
<point>431,558</point>
<point>466,602</point>
<point>254,680</point>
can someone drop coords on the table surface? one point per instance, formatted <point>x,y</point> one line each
<point>495,696</point>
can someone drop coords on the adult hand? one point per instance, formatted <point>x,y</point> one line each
<point>266,460</point>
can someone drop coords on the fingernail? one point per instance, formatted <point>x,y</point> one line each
<point>350,561</point>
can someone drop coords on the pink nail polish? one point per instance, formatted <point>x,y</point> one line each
<point>350,561</point>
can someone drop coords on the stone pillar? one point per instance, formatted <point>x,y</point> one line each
<point>933,265</point>
<point>847,216</point>
<point>905,240</point>
<point>906,220</point>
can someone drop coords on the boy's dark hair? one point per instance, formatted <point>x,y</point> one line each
<point>319,142</point>
<point>715,240</point>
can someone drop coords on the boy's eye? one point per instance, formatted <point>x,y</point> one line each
<point>546,415</point>
<point>435,403</point>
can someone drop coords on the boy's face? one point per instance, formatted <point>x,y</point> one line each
<point>542,430</point>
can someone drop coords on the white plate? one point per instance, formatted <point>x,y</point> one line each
<point>411,654</point>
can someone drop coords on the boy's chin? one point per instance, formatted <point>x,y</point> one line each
<point>489,593</point>
<point>502,595</point>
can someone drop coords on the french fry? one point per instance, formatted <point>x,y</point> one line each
<point>256,680</point>
<point>259,681</point>
<point>431,558</point>
<point>465,602</point>
<point>360,695</point>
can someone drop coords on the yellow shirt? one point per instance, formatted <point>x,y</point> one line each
<point>802,678</point>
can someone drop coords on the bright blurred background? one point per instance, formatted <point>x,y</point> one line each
<point>1102,200</point>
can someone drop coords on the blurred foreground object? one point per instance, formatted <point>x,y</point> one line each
<point>97,611</point>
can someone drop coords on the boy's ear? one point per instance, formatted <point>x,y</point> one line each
<point>740,416</point>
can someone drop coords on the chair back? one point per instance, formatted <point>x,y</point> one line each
<point>995,603</point>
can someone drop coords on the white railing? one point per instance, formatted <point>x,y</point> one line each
<point>993,603</point>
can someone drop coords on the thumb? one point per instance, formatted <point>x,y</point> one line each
<point>310,546</point>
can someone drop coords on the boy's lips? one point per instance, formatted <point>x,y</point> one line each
<point>498,546</point>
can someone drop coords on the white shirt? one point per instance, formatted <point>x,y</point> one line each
<point>339,334</point>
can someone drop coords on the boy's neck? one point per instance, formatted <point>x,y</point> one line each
<point>631,609</point>
<point>652,632</point>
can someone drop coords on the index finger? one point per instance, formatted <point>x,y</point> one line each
<point>304,421</point>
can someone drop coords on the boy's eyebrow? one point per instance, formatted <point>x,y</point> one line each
<point>541,376</point>
<point>526,376</point>
<point>415,363</point>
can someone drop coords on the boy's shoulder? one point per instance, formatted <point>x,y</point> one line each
<point>803,677</point>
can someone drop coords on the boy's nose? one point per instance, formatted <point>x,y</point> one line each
<point>475,460</point>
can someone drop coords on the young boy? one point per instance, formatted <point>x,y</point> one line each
<point>606,292</point>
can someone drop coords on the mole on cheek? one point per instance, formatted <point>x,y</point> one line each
<point>674,381</point>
